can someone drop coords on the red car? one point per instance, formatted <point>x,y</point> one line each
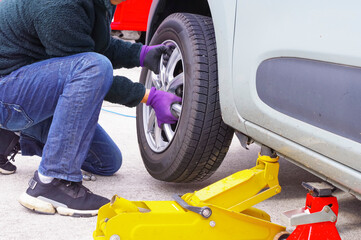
<point>130,19</point>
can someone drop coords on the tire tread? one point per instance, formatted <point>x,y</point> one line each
<point>215,137</point>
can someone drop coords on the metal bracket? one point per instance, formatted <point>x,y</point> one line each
<point>319,189</point>
<point>300,216</point>
<point>205,212</point>
<point>244,140</point>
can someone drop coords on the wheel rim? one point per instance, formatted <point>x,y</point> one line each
<point>170,79</point>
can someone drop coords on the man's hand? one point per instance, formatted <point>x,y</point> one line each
<point>150,56</point>
<point>162,102</point>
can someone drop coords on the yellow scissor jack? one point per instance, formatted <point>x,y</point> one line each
<point>221,211</point>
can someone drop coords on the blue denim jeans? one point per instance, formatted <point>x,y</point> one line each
<point>55,104</point>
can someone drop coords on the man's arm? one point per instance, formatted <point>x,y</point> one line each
<point>123,54</point>
<point>124,91</point>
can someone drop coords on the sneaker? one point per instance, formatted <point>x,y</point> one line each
<point>66,198</point>
<point>6,167</point>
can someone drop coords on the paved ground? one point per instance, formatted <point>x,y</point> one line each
<point>134,183</point>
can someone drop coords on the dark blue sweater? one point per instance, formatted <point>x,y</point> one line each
<point>35,30</point>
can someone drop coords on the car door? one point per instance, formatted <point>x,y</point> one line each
<point>297,76</point>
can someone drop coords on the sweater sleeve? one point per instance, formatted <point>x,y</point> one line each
<point>124,91</point>
<point>65,29</point>
<point>123,54</point>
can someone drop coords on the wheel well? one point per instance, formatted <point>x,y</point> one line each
<point>165,8</point>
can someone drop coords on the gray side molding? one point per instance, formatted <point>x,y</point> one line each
<point>323,94</point>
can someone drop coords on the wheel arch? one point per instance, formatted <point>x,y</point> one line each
<point>224,17</point>
<point>160,9</point>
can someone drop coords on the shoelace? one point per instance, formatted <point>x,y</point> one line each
<point>4,159</point>
<point>75,186</point>
<point>15,151</point>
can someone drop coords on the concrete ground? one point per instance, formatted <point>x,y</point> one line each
<point>134,183</point>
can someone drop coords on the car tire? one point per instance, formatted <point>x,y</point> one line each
<point>200,139</point>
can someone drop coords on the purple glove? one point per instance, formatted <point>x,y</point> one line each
<point>150,56</point>
<point>162,102</point>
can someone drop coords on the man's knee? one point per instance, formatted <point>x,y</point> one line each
<point>106,168</point>
<point>115,167</point>
<point>106,171</point>
<point>99,61</point>
<point>100,67</point>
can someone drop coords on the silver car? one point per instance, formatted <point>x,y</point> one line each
<point>284,74</point>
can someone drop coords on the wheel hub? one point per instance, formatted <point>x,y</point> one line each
<point>170,79</point>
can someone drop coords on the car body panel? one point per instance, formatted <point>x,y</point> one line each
<point>224,30</point>
<point>306,30</point>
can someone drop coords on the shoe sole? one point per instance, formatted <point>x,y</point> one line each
<point>6,172</point>
<point>44,207</point>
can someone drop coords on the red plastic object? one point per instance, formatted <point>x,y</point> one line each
<point>317,231</point>
<point>131,15</point>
